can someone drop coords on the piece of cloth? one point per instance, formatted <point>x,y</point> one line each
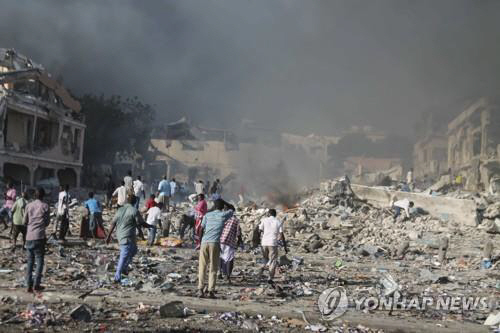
<point>62,203</point>
<point>93,206</point>
<point>227,252</point>
<point>138,187</point>
<point>127,253</point>
<point>403,204</point>
<point>271,229</point>
<point>212,225</point>
<point>35,250</point>
<point>209,256</point>
<point>36,218</point>
<point>10,197</point>
<point>127,219</point>
<point>121,193</point>
<point>154,215</point>
<point>198,187</point>
<point>129,183</point>
<point>231,232</point>
<point>164,188</point>
<point>152,235</point>
<point>270,254</point>
<point>18,210</point>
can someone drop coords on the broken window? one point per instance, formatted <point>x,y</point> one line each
<point>66,140</point>
<point>77,143</point>
<point>18,130</point>
<point>476,146</point>
<point>46,134</point>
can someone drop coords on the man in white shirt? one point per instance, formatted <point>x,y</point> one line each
<point>409,179</point>
<point>129,182</point>
<point>121,194</point>
<point>199,187</point>
<point>138,191</point>
<point>404,204</point>
<point>62,216</point>
<point>272,231</point>
<point>153,219</point>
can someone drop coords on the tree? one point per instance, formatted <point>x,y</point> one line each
<point>114,125</point>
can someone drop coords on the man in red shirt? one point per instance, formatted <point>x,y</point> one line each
<point>150,203</point>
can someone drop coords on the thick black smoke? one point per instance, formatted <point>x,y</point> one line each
<point>301,66</point>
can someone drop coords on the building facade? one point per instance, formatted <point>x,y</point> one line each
<point>41,127</point>
<point>474,144</point>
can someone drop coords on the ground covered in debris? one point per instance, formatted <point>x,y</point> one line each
<point>333,241</point>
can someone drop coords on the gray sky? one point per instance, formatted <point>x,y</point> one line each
<point>302,66</point>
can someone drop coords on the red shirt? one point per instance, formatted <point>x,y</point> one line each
<point>149,203</point>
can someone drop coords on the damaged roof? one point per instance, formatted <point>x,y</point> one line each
<point>16,67</point>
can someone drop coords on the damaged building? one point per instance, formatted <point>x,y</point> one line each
<point>430,157</point>
<point>41,127</point>
<point>474,144</point>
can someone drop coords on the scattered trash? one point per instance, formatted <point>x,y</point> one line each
<point>81,313</point>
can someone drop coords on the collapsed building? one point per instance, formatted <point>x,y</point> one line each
<point>474,145</point>
<point>430,157</point>
<point>41,127</point>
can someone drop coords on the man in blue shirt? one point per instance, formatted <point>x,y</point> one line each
<point>212,226</point>
<point>95,214</point>
<point>164,192</point>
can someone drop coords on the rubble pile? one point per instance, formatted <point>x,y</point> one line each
<point>335,239</point>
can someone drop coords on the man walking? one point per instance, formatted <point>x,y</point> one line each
<point>272,231</point>
<point>121,195</point>
<point>129,182</point>
<point>36,219</point>
<point>139,191</point>
<point>200,209</point>
<point>212,226</point>
<point>6,211</point>
<point>126,221</point>
<point>95,214</point>
<point>62,218</point>
<point>199,187</point>
<point>164,192</point>
<point>153,219</point>
<point>18,227</point>
<point>229,240</point>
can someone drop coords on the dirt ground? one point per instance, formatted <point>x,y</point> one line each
<point>80,273</point>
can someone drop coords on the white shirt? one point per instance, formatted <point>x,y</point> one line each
<point>138,187</point>
<point>173,187</point>
<point>404,204</point>
<point>198,188</point>
<point>121,193</point>
<point>62,203</point>
<point>271,227</point>
<point>154,215</point>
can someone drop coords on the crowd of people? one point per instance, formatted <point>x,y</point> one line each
<point>212,223</point>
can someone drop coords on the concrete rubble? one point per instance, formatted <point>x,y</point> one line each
<point>335,239</point>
